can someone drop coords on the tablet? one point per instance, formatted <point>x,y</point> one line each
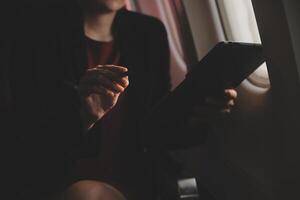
<point>227,64</point>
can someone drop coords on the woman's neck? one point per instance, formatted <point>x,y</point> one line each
<point>98,26</point>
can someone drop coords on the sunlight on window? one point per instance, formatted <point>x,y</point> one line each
<point>240,26</point>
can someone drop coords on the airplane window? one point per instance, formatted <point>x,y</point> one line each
<point>240,25</point>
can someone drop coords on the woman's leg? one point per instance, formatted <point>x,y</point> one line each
<point>92,190</point>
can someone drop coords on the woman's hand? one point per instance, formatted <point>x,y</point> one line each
<point>99,89</point>
<point>212,110</point>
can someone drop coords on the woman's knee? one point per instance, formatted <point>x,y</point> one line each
<point>92,190</point>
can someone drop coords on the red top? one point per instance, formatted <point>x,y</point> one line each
<point>101,53</point>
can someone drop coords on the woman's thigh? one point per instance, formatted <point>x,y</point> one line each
<point>91,190</point>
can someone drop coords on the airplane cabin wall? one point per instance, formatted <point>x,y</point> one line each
<point>293,15</point>
<point>279,27</point>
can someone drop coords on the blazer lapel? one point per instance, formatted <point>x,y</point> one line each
<point>133,57</point>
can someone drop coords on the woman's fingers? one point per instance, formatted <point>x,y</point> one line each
<point>226,101</point>
<point>99,97</point>
<point>86,90</point>
<point>100,88</point>
<point>230,93</point>
<point>116,77</point>
<point>110,72</point>
<point>113,68</point>
<point>102,81</point>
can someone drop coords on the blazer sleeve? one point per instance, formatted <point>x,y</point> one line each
<point>168,129</point>
<point>158,53</point>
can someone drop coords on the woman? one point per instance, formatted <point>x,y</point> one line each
<point>83,123</point>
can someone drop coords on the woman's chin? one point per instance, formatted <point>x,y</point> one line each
<point>111,5</point>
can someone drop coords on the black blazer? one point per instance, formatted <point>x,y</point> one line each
<point>51,52</point>
<point>47,135</point>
